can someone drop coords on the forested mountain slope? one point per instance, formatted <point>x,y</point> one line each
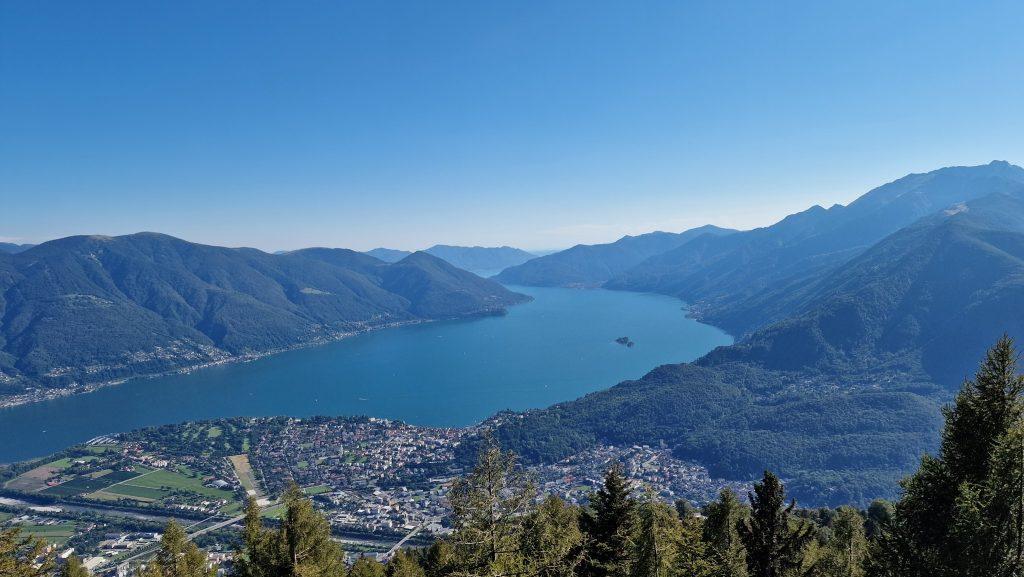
<point>744,281</point>
<point>92,308</point>
<point>592,265</point>
<point>471,258</point>
<point>842,396</point>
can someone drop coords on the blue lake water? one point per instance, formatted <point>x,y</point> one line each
<point>556,348</point>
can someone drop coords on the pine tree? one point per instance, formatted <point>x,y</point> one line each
<point>658,535</point>
<point>846,550</point>
<point>23,556</point>
<point>721,519</point>
<point>366,567</point>
<point>177,556</point>
<point>774,541</point>
<point>961,513</point>
<point>306,537</point>
<point>302,547</point>
<point>404,564</point>
<point>610,525</point>
<point>552,542</point>
<point>261,554</point>
<point>73,567</point>
<point>439,559</point>
<point>489,510</point>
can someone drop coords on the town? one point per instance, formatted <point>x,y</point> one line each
<point>379,482</point>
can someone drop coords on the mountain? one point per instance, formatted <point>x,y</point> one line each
<point>842,394</point>
<point>593,265</point>
<point>932,296</point>
<point>478,259</point>
<point>11,248</point>
<point>743,281</point>
<point>481,259</point>
<point>388,254</point>
<point>93,308</point>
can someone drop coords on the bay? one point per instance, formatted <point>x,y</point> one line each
<point>452,373</point>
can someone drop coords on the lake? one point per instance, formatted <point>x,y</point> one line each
<point>452,373</point>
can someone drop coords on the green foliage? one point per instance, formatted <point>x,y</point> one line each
<point>775,543</point>
<point>177,556</point>
<point>366,567</point>
<point>23,556</point>
<point>404,564</point>
<point>962,512</point>
<point>552,542</point>
<point>73,567</point>
<point>300,547</point>
<point>720,531</point>
<point>489,514</point>
<point>836,447</point>
<point>610,524</point>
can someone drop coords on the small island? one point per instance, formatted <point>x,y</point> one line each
<point>625,341</point>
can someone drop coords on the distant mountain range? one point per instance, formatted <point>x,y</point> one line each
<point>89,309</point>
<point>593,265</point>
<point>858,323</point>
<point>477,259</point>
<point>11,248</point>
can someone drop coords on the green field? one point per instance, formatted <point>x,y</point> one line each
<point>77,486</point>
<point>56,534</point>
<point>158,484</point>
<point>135,491</point>
<point>4,516</point>
<point>317,490</point>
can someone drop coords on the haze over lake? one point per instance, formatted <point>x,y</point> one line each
<point>556,348</point>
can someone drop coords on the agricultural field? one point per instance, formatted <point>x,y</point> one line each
<point>129,477</point>
<point>56,533</point>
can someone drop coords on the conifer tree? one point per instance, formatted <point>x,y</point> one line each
<point>306,538</point>
<point>659,533</point>
<point>721,519</point>
<point>177,556</point>
<point>610,526</point>
<point>404,564</point>
<point>301,547</point>
<point>73,567</point>
<point>552,541</point>
<point>846,549</point>
<point>366,567</point>
<point>961,512</point>
<point>489,510</point>
<point>23,556</point>
<point>774,541</point>
<point>261,555</point>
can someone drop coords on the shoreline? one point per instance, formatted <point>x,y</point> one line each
<point>40,396</point>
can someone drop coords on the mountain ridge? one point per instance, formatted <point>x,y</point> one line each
<point>86,309</point>
<point>593,265</point>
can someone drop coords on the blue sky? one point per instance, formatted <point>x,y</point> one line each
<point>538,124</point>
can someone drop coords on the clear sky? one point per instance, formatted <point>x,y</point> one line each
<point>538,124</point>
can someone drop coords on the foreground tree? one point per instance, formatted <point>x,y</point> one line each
<point>178,557</point>
<point>721,519</point>
<point>552,543</point>
<point>846,550</point>
<point>366,567</point>
<point>775,542</point>
<point>73,567</point>
<point>23,556</point>
<point>403,564</point>
<point>962,513</point>
<point>490,509</point>
<point>610,526</point>
<point>301,547</point>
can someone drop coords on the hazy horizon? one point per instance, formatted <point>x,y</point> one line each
<point>532,125</point>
